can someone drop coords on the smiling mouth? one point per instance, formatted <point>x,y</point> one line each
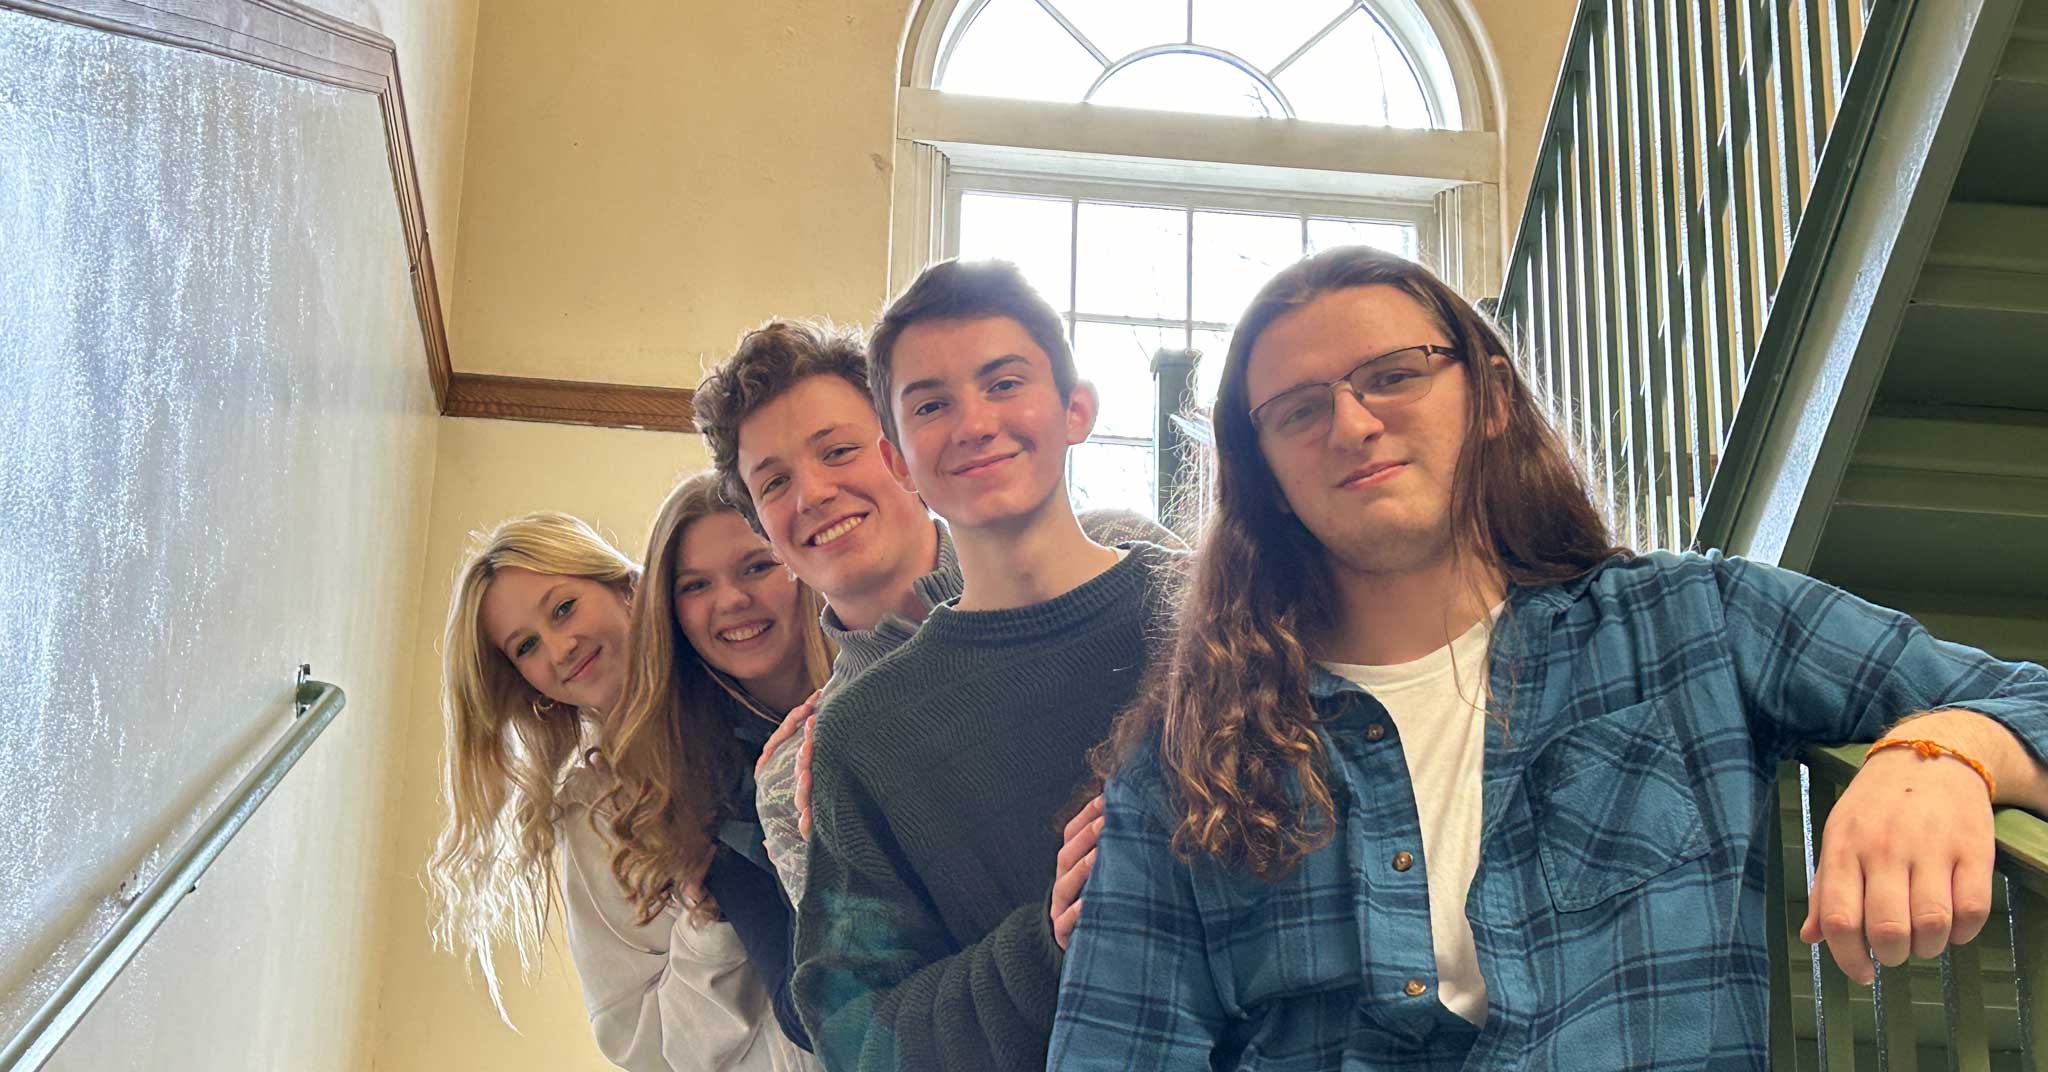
<point>740,634</point>
<point>1369,475</point>
<point>582,666</point>
<point>838,529</point>
<point>983,465</point>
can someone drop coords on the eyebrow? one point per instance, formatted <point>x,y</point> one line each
<point>986,367</point>
<point>808,440</point>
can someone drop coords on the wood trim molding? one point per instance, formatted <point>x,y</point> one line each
<point>606,405</point>
<point>303,43</point>
<point>290,39</point>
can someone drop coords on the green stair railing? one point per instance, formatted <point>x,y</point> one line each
<point>1695,168</point>
<point>1983,1006</point>
<point>1695,157</point>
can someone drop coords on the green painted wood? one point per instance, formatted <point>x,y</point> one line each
<point>1668,375</point>
<point>1646,413</point>
<point>1898,1033</point>
<point>1571,363</point>
<point>1785,147</point>
<point>1756,67</point>
<point>1605,124</point>
<point>2029,922</point>
<point>1707,245</point>
<point>1814,95</point>
<point>1962,987</point>
<point>1747,228</point>
<point>1781,931</point>
<point>1588,368</point>
<point>1838,34</point>
<point>1834,1027</point>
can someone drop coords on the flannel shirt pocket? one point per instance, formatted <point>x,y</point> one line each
<point>1615,806</point>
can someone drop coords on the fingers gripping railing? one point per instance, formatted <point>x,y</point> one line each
<point>1685,144</point>
<point>1983,1006</point>
<point>317,702</point>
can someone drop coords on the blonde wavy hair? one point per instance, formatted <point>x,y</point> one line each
<point>491,877</point>
<point>670,742</point>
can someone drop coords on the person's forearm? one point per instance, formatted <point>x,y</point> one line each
<point>2022,779</point>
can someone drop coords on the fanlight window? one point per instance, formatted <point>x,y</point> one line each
<point>1332,61</point>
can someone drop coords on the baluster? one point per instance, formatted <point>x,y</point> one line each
<point>2029,922</point>
<point>1962,991</point>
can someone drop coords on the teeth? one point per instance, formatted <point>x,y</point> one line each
<point>734,636</point>
<point>836,531</point>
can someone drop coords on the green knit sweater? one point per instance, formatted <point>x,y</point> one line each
<point>937,781</point>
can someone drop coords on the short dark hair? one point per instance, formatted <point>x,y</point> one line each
<point>770,360</point>
<point>967,290</point>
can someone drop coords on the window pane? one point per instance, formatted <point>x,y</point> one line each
<point>1187,82</point>
<point>1117,359</point>
<point>1102,475</point>
<point>1133,261</point>
<point>1350,78</point>
<point>1235,253</point>
<point>1032,232</point>
<point>1266,32</point>
<point>1214,345</point>
<point>1121,27</point>
<point>1015,49</point>
<point>1393,237</point>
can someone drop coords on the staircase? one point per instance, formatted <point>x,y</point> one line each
<point>1783,275</point>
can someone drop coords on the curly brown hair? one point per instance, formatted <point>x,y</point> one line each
<point>769,361</point>
<point>1227,707</point>
<point>670,741</point>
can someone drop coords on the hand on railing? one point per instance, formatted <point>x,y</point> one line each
<point>1905,865</point>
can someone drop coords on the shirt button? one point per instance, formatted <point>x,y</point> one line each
<point>1375,731</point>
<point>1415,988</point>
<point>1403,860</point>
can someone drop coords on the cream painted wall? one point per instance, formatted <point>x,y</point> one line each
<point>1526,40</point>
<point>436,41</point>
<point>436,1015</point>
<point>648,178</point>
<point>233,440</point>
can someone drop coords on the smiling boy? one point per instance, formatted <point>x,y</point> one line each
<point>923,939</point>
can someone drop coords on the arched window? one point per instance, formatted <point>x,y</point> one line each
<point>1148,163</point>
<point>1333,61</point>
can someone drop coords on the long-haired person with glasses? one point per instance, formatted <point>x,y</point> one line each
<point>1435,775</point>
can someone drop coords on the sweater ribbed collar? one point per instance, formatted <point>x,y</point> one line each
<point>860,649</point>
<point>1126,582</point>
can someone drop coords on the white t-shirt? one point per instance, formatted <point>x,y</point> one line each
<point>1438,704</point>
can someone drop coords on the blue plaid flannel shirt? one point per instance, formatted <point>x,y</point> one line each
<point>1638,714</point>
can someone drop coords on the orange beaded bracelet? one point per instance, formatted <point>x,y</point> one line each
<point>1930,749</point>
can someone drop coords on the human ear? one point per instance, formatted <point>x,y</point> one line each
<point>1083,404</point>
<point>899,466</point>
<point>1496,424</point>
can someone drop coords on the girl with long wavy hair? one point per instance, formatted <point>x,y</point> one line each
<point>1435,775</point>
<point>724,645</point>
<point>536,657</point>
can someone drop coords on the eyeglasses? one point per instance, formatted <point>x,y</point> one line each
<point>1379,383</point>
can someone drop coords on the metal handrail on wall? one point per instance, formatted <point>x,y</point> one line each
<point>318,702</point>
<point>1695,158</point>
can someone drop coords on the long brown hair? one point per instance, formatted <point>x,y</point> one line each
<point>670,743</point>
<point>491,877</point>
<point>1229,702</point>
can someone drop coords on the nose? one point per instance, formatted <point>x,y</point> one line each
<point>731,598</point>
<point>561,649</point>
<point>1351,420</point>
<point>974,421</point>
<point>813,488</point>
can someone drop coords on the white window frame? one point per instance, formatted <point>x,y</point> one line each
<point>1452,175</point>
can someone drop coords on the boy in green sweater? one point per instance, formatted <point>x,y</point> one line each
<point>938,777</point>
